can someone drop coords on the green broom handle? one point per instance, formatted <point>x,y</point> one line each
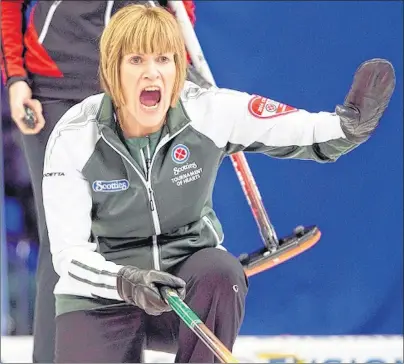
<point>196,325</point>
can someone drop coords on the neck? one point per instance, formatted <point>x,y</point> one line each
<point>132,129</point>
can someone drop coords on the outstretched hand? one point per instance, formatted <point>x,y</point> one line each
<point>370,93</point>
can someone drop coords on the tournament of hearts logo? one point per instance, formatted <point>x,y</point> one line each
<point>180,154</point>
<point>264,108</point>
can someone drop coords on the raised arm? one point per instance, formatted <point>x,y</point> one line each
<point>238,121</point>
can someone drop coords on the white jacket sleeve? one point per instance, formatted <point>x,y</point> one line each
<point>237,121</point>
<point>68,204</point>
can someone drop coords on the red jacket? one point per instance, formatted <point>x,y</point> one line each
<point>57,50</point>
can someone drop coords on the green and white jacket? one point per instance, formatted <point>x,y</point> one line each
<point>105,210</point>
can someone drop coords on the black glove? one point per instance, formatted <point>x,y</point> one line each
<point>141,288</point>
<point>370,93</point>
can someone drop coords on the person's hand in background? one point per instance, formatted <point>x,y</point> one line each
<point>20,95</point>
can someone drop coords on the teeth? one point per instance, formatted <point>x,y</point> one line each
<point>152,88</point>
<point>151,107</point>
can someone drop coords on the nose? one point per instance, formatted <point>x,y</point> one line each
<point>151,71</point>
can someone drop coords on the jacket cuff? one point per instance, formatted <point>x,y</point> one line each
<point>14,79</point>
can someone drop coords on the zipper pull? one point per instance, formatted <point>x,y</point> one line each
<point>148,159</point>
<point>151,199</point>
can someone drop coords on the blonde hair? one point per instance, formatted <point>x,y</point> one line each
<point>140,29</point>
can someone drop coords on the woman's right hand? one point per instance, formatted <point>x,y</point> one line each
<point>141,288</point>
<point>20,95</point>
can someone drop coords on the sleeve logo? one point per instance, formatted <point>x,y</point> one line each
<point>264,108</point>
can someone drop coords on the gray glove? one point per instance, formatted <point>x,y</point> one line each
<point>370,93</point>
<point>140,287</point>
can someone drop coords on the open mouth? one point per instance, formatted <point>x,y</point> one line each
<point>150,97</point>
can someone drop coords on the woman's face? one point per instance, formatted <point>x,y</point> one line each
<point>147,83</point>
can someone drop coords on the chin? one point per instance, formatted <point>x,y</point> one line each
<point>153,117</point>
<point>152,120</point>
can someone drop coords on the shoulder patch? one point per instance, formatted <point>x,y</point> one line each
<point>264,108</point>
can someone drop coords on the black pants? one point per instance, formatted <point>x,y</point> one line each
<point>216,291</point>
<point>34,149</point>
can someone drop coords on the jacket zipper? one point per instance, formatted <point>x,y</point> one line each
<point>152,204</point>
<point>48,20</point>
<point>212,229</point>
<point>150,192</point>
<point>147,164</point>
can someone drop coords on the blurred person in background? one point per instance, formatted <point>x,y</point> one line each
<point>17,183</point>
<point>50,63</point>
<point>19,235</point>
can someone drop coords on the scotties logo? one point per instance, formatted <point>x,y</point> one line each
<point>111,186</point>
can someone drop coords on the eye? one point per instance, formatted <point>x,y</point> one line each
<point>163,59</point>
<point>135,60</point>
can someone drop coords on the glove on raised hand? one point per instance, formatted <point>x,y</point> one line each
<point>370,93</point>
